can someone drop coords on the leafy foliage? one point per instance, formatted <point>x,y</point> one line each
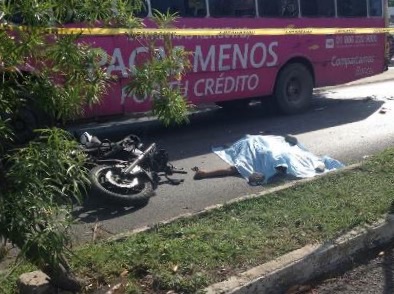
<point>44,179</point>
<point>160,75</point>
<point>39,181</point>
<point>57,76</point>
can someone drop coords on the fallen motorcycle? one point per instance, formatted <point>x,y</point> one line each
<point>124,171</point>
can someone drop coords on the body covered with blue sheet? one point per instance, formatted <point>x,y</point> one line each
<point>265,154</point>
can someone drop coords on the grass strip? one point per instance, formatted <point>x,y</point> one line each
<point>190,254</point>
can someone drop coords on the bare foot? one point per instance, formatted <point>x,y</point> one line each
<point>256,179</point>
<point>198,174</point>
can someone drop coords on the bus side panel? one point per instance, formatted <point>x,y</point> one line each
<point>222,68</point>
<point>111,102</point>
<point>227,68</point>
<point>346,65</point>
<point>231,67</point>
<point>339,59</point>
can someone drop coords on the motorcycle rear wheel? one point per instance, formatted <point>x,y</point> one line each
<point>121,188</point>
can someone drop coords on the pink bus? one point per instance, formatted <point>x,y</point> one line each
<point>231,70</point>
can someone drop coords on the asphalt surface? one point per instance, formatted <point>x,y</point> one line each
<point>346,123</point>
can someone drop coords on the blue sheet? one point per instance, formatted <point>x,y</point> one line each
<point>262,154</point>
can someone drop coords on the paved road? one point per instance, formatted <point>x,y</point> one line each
<point>346,123</point>
<point>370,276</point>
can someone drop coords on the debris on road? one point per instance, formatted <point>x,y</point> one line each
<point>299,289</point>
<point>369,98</point>
<point>383,110</point>
<point>98,230</point>
<point>118,288</point>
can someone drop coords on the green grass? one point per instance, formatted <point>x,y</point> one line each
<point>190,254</point>
<point>8,280</point>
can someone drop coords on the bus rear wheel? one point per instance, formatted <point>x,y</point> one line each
<point>294,87</point>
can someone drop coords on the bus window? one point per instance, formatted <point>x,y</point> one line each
<point>183,8</point>
<point>195,8</point>
<point>232,8</point>
<point>278,8</point>
<point>375,7</point>
<point>318,8</point>
<point>164,6</point>
<point>352,8</point>
<point>141,11</point>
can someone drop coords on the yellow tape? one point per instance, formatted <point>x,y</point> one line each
<point>218,32</point>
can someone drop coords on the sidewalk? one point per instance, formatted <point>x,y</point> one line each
<point>383,77</point>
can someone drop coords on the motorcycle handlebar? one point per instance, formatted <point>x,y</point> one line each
<point>129,168</point>
<point>120,145</point>
<point>115,149</point>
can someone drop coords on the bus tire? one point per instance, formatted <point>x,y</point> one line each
<point>294,88</point>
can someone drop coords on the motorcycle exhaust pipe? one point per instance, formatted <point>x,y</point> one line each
<point>139,159</point>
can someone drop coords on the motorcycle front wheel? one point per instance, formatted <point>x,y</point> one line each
<point>131,189</point>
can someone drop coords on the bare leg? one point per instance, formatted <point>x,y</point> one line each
<point>201,174</point>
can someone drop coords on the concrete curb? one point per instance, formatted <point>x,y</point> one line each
<point>307,263</point>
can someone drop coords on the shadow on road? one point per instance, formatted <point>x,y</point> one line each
<point>94,209</point>
<point>218,127</point>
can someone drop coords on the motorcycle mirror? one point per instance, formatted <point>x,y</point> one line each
<point>85,138</point>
